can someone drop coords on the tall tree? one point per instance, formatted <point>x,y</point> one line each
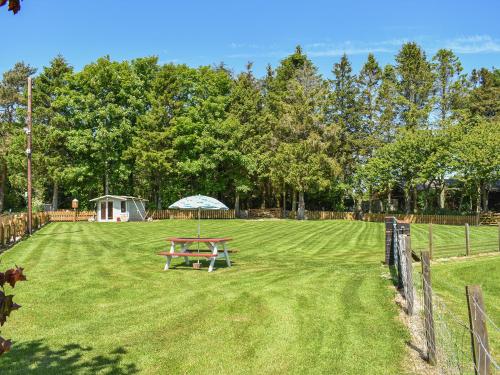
<point>476,156</point>
<point>344,116</point>
<point>449,84</point>
<point>484,98</point>
<point>386,104</point>
<point>246,109</point>
<point>302,156</point>
<point>12,90</point>
<point>415,83</point>
<point>369,80</point>
<point>51,126</point>
<point>202,133</point>
<point>105,100</point>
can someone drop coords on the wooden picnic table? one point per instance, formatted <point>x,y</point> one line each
<point>217,248</point>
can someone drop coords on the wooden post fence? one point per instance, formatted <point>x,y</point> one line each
<point>410,298</point>
<point>389,237</point>
<point>430,336</point>
<point>467,239</point>
<point>479,333</point>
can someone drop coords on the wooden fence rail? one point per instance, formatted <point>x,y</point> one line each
<point>379,217</point>
<point>14,227</point>
<point>68,215</point>
<point>190,214</point>
<point>277,213</point>
<point>426,219</point>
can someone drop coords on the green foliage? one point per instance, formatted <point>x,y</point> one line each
<point>165,131</point>
<point>414,85</point>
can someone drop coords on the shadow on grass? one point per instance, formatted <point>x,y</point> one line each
<point>394,276</point>
<point>204,265</point>
<point>57,233</point>
<point>35,357</point>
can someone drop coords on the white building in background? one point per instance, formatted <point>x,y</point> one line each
<point>116,208</point>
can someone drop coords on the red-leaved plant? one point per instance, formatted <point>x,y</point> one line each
<point>14,5</point>
<point>7,305</point>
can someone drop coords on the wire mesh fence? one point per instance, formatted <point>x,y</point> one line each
<point>450,332</point>
<point>447,333</point>
<point>446,242</point>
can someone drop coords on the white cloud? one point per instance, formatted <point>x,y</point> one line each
<point>348,51</point>
<point>349,47</point>
<point>474,44</point>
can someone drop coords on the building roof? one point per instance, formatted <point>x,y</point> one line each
<point>118,197</point>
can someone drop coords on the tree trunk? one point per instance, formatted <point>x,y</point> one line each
<point>359,208</point>
<point>55,196</point>
<point>415,200</point>
<point>484,197</point>
<point>389,202</point>
<point>370,201</point>
<point>302,207</point>
<point>407,200</point>
<point>3,179</point>
<point>294,200</point>
<point>284,201</point>
<point>427,204</point>
<point>237,204</point>
<point>106,181</point>
<point>159,202</point>
<point>478,198</point>
<point>442,197</point>
<point>263,190</point>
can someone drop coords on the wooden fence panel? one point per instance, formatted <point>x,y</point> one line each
<point>14,227</point>
<point>70,215</point>
<point>426,219</point>
<point>190,214</point>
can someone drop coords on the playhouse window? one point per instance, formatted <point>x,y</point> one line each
<point>124,206</point>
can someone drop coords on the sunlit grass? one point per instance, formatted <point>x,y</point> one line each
<point>302,297</point>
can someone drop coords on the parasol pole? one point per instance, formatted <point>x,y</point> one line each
<point>199,219</point>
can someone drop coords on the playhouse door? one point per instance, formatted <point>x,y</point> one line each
<point>103,210</point>
<point>110,210</point>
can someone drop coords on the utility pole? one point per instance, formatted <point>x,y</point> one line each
<point>28,154</point>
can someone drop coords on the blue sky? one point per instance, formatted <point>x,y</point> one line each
<point>208,32</point>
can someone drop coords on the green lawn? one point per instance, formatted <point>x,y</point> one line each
<point>449,240</point>
<point>449,280</point>
<point>302,297</point>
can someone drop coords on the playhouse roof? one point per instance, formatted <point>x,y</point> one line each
<point>118,197</point>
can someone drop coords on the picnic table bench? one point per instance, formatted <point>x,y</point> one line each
<point>217,248</point>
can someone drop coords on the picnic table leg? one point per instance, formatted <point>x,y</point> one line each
<point>213,247</point>
<point>167,265</point>
<point>184,249</point>
<point>226,254</point>
<point>169,258</point>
